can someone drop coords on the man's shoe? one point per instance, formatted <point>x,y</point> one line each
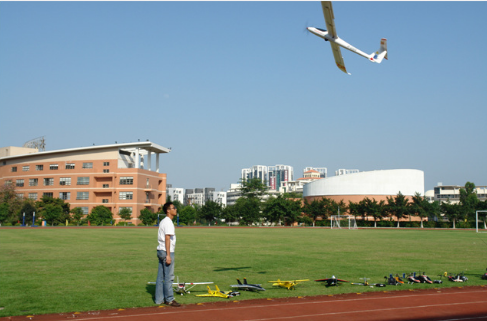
<point>173,303</point>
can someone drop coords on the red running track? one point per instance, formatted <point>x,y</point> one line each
<point>447,304</point>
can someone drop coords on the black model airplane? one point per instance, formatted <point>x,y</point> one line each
<point>248,287</point>
<point>333,281</point>
<point>484,276</point>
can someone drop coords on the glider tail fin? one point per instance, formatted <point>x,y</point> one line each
<point>381,53</point>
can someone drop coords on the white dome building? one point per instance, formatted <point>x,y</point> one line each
<point>376,185</point>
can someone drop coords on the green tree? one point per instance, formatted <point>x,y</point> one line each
<point>211,211</point>
<point>125,213</point>
<point>147,216</point>
<point>277,209</point>
<point>230,213</point>
<point>315,209</point>
<point>29,208</point>
<point>11,204</point>
<point>375,209</point>
<point>52,213</point>
<point>468,201</point>
<point>452,211</point>
<point>187,215</point>
<point>77,215</point>
<point>253,187</point>
<point>419,207</point>
<point>50,200</point>
<point>100,215</point>
<point>248,210</point>
<point>398,206</point>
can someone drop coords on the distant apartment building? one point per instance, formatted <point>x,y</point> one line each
<point>272,176</point>
<point>310,174</point>
<point>220,197</point>
<point>116,176</point>
<point>176,194</point>
<point>198,196</point>
<point>452,193</point>
<point>322,170</point>
<point>233,194</point>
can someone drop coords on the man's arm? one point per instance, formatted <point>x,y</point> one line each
<point>168,249</point>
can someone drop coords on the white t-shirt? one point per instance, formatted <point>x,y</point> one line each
<point>166,227</point>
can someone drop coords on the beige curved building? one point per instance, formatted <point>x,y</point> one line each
<point>376,185</point>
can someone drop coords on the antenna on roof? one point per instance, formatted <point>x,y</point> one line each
<point>39,143</point>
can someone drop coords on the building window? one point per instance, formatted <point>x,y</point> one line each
<point>126,195</point>
<point>20,196</point>
<point>106,171</point>
<point>33,181</point>
<point>48,181</point>
<point>82,195</point>
<point>8,182</point>
<point>127,180</point>
<point>39,167</point>
<point>19,183</point>
<point>53,167</point>
<point>87,165</point>
<point>84,210</point>
<point>51,195</point>
<point>64,195</point>
<point>105,200</point>
<point>69,166</point>
<point>83,181</point>
<point>14,168</point>
<point>33,196</point>
<point>65,181</point>
<point>25,168</point>
<point>106,163</point>
<point>106,185</point>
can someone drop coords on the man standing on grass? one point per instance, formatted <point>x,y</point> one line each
<point>165,254</point>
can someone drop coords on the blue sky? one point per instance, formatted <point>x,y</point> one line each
<point>228,85</point>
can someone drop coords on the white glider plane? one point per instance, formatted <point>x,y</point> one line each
<point>335,42</point>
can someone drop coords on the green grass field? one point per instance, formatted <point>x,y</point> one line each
<point>83,269</point>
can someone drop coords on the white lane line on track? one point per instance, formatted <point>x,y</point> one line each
<point>178,311</point>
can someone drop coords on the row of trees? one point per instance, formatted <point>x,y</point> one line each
<point>250,209</point>
<point>288,209</point>
<point>54,211</point>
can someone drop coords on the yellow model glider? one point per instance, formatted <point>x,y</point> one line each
<point>287,284</point>
<point>219,294</point>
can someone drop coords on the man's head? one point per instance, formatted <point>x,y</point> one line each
<point>168,207</point>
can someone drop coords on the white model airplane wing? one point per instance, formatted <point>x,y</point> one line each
<point>337,53</point>
<point>329,18</point>
<point>330,26</point>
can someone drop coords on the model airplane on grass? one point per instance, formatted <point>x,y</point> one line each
<point>412,278</point>
<point>484,276</point>
<point>333,281</point>
<point>335,42</point>
<point>247,286</point>
<point>290,285</point>
<point>460,277</point>
<point>394,280</point>
<point>182,288</point>
<point>423,278</point>
<point>219,294</point>
<point>366,283</point>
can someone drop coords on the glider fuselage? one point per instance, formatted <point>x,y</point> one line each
<point>324,34</point>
